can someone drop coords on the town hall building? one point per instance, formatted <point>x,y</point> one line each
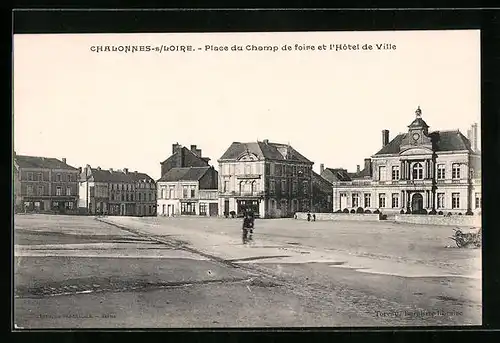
<point>418,171</point>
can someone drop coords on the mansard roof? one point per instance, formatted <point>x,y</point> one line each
<point>441,141</point>
<point>101,175</point>
<point>24,161</point>
<point>184,174</point>
<point>264,150</point>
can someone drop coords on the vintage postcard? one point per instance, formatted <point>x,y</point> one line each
<point>247,180</point>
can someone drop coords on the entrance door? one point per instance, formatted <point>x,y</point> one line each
<point>213,209</point>
<point>417,203</point>
<point>164,209</point>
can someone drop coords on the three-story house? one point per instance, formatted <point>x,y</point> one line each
<point>270,179</point>
<point>188,191</point>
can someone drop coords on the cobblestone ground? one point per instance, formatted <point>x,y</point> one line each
<point>194,272</point>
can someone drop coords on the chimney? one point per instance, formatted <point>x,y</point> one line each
<point>368,165</point>
<point>125,170</point>
<point>358,168</point>
<point>175,147</point>
<point>474,137</point>
<point>198,152</point>
<point>79,170</point>
<point>385,137</point>
<point>321,168</point>
<point>193,148</point>
<point>64,160</point>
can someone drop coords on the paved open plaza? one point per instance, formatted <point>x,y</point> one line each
<point>159,272</point>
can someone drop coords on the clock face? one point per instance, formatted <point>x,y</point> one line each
<point>416,136</point>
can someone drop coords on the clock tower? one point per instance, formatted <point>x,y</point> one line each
<point>418,133</point>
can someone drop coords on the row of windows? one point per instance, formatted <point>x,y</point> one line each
<point>41,190</point>
<point>131,187</point>
<point>187,192</point>
<point>272,187</point>
<point>455,200</point>
<point>287,170</point>
<point>30,176</point>
<point>130,197</point>
<point>417,172</point>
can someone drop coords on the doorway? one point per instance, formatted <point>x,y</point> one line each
<point>417,203</point>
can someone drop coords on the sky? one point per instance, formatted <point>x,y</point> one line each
<point>125,110</point>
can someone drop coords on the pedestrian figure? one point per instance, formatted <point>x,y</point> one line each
<point>314,217</point>
<point>295,216</point>
<point>308,217</point>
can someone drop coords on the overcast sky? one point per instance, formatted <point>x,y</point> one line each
<point>118,110</point>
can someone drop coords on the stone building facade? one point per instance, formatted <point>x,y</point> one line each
<point>270,179</point>
<point>117,192</point>
<point>188,191</point>
<point>415,172</point>
<point>44,184</point>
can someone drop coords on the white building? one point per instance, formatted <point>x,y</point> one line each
<point>437,171</point>
<point>188,191</point>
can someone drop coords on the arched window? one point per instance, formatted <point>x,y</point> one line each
<point>254,187</point>
<point>418,172</point>
<point>241,186</point>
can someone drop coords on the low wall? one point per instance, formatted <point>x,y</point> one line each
<point>340,216</point>
<point>453,220</point>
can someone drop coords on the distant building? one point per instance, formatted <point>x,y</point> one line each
<point>270,179</point>
<point>44,184</point>
<point>183,157</point>
<point>415,171</point>
<point>188,191</point>
<point>322,193</point>
<point>117,192</point>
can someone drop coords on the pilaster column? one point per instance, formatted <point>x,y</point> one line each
<point>403,199</point>
<point>401,170</point>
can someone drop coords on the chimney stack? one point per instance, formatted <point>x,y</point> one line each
<point>321,168</point>
<point>385,137</point>
<point>175,147</point>
<point>358,168</point>
<point>474,136</point>
<point>125,170</point>
<point>64,160</point>
<point>368,165</point>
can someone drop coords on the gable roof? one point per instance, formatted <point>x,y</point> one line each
<point>340,173</point>
<point>184,151</point>
<point>24,161</point>
<point>323,183</point>
<point>264,150</point>
<point>101,175</point>
<point>184,174</point>
<point>441,141</point>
